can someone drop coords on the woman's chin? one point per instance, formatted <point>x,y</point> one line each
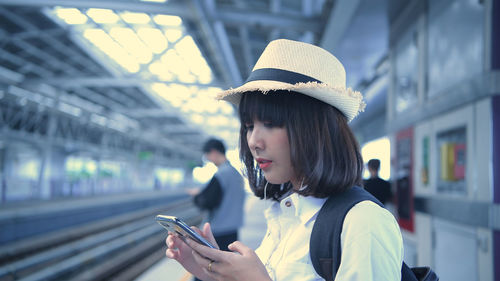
<point>274,181</point>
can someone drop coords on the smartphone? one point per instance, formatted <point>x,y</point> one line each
<point>175,225</point>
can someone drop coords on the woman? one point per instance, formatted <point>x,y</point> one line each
<point>298,150</point>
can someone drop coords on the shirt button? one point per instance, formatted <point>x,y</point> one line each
<point>288,203</point>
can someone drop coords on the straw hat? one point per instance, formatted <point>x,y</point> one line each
<point>304,68</point>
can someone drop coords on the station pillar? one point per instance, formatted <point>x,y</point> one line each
<point>495,67</point>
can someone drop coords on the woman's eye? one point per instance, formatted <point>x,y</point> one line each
<point>269,124</point>
<point>248,127</point>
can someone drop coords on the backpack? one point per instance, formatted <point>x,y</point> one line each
<point>326,253</point>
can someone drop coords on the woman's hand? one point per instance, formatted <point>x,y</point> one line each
<point>179,251</point>
<point>242,264</point>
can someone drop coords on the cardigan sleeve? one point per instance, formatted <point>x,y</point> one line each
<point>372,246</point>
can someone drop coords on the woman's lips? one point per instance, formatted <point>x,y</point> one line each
<point>264,163</point>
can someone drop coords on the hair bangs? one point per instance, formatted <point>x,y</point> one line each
<point>263,107</point>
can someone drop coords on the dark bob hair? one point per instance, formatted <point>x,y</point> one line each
<point>323,149</point>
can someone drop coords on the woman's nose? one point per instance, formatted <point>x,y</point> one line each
<point>254,139</point>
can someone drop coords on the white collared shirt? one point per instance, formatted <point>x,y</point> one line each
<point>372,246</point>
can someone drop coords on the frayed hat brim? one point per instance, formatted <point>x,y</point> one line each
<point>348,101</point>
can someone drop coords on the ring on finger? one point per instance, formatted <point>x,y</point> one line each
<point>210,266</point>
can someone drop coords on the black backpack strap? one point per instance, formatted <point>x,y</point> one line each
<point>324,244</point>
<point>407,274</point>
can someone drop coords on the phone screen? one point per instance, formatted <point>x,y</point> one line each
<point>175,225</point>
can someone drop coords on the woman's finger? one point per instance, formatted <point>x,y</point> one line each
<point>207,233</point>
<point>172,254</point>
<point>201,260</point>
<point>209,266</point>
<point>174,242</point>
<point>212,254</point>
<point>211,271</point>
<point>169,241</point>
<point>195,228</point>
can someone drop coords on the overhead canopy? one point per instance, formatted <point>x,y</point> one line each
<point>149,70</point>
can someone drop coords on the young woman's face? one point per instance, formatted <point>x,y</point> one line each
<point>270,148</point>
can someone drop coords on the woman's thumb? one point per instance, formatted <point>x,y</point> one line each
<point>239,247</point>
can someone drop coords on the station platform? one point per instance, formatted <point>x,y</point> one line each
<point>250,234</point>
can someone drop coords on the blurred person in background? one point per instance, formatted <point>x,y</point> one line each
<point>223,197</point>
<point>378,187</point>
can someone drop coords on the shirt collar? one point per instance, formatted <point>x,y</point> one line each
<point>306,207</point>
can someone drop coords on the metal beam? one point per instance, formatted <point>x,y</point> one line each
<point>244,41</point>
<point>152,113</point>
<point>146,7</point>
<point>274,7</point>
<point>33,33</point>
<point>73,54</point>
<point>252,44</point>
<point>10,76</point>
<point>72,82</point>
<point>209,37</point>
<point>48,36</point>
<point>178,129</point>
<point>71,129</point>
<point>271,20</point>
<point>340,18</point>
<point>100,99</point>
<point>23,63</point>
<point>307,10</point>
<point>48,58</point>
<point>225,46</point>
<point>226,15</point>
<point>247,50</point>
<point>98,57</point>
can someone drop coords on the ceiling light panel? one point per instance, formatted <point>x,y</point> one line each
<point>167,20</point>
<point>103,15</point>
<point>156,46</point>
<point>129,40</point>
<point>110,47</point>
<point>135,18</point>
<point>153,38</point>
<point>173,34</point>
<point>71,15</point>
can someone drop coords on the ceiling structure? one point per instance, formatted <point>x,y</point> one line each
<point>130,76</point>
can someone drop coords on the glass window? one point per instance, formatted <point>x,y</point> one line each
<point>455,42</point>
<point>406,69</point>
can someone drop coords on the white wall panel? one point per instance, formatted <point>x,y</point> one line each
<point>485,254</point>
<point>423,232</point>
<point>483,187</point>
<point>455,252</point>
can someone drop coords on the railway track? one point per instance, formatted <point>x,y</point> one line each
<point>114,248</point>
